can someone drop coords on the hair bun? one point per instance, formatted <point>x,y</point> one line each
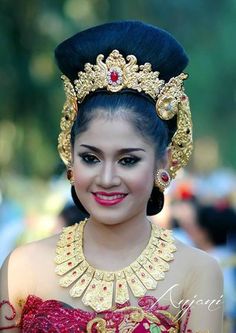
<point>146,42</point>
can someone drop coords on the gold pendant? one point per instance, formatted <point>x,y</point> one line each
<point>98,288</point>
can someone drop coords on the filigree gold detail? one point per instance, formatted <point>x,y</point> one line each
<point>99,289</point>
<point>99,323</point>
<point>69,114</point>
<point>170,96</point>
<point>181,145</point>
<point>132,318</point>
<point>117,73</point>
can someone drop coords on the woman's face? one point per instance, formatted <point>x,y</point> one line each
<point>113,170</point>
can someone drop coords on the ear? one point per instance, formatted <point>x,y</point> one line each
<point>165,161</point>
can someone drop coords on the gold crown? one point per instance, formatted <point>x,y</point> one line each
<point>116,74</point>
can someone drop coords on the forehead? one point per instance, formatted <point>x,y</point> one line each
<point>113,134</point>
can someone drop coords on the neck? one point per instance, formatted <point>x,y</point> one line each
<point>111,242</point>
<point>112,236</point>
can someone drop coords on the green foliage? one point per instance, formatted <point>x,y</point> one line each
<point>31,93</point>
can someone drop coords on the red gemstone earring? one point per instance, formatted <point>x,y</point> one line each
<point>162,179</point>
<point>70,177</point>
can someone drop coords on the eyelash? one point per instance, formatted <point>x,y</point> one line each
<point>92,159</point>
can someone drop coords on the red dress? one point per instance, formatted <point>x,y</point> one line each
<point>51,316</point>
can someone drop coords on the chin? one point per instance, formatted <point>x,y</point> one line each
<point>116,216</point>
<point>109,218</point>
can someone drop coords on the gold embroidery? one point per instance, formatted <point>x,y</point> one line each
<point>132,319</point>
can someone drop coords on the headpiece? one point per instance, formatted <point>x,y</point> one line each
<point>116,73</point>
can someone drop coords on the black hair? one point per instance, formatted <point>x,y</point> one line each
<point>217,222</point>
<point>139,111</point>
<point>71,214</point>
<point>148,44</point>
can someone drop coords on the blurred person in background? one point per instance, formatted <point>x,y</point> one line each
<point>213,230</point>
<point>126,131</point>
<point>184,214</point>
<point>69,215</point>
<point>215,233</point>
<point>11,226</point>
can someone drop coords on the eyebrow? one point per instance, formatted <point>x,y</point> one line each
<point>120,151</point>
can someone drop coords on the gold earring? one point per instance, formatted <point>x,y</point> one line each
<point>162,179</point>
<point>70,176</point>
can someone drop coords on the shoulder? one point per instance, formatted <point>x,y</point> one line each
<point>28,253</point>
<point>18,278</point>
<point>17,274</point>
<point>202,291</point>
<point>201,270</point>
<point>194,258</point>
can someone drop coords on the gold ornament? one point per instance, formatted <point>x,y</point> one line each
<point>117,73</point>
<point>181,145</point>
<point>98,288</point>
<point>69,114</point>
<point>162,179</point>
<point>133,316</point>
<point>70,175</point>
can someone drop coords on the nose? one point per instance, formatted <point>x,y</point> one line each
<point>108,176</point>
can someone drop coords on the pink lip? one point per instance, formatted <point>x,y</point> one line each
<point>109,193</point>
<point>105,202</point>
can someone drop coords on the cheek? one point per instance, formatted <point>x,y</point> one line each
<point>82,175</point>
<point>141,182</point>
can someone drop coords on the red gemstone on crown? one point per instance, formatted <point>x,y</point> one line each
<point>114,76</point>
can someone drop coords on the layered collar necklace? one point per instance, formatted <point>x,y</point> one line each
<point>99,288</point>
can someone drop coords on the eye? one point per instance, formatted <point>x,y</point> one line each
<point>129,160</point>
<point>89,158</point>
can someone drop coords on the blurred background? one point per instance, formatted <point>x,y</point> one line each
<point>34,194</point>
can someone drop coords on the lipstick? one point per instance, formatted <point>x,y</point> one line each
<point>109,198</point>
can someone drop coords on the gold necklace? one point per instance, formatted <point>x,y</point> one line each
<point>98,287</point>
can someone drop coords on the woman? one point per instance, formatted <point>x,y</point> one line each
<point>126,130</point>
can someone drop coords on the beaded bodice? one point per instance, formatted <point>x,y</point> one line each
<point>54,316</point>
